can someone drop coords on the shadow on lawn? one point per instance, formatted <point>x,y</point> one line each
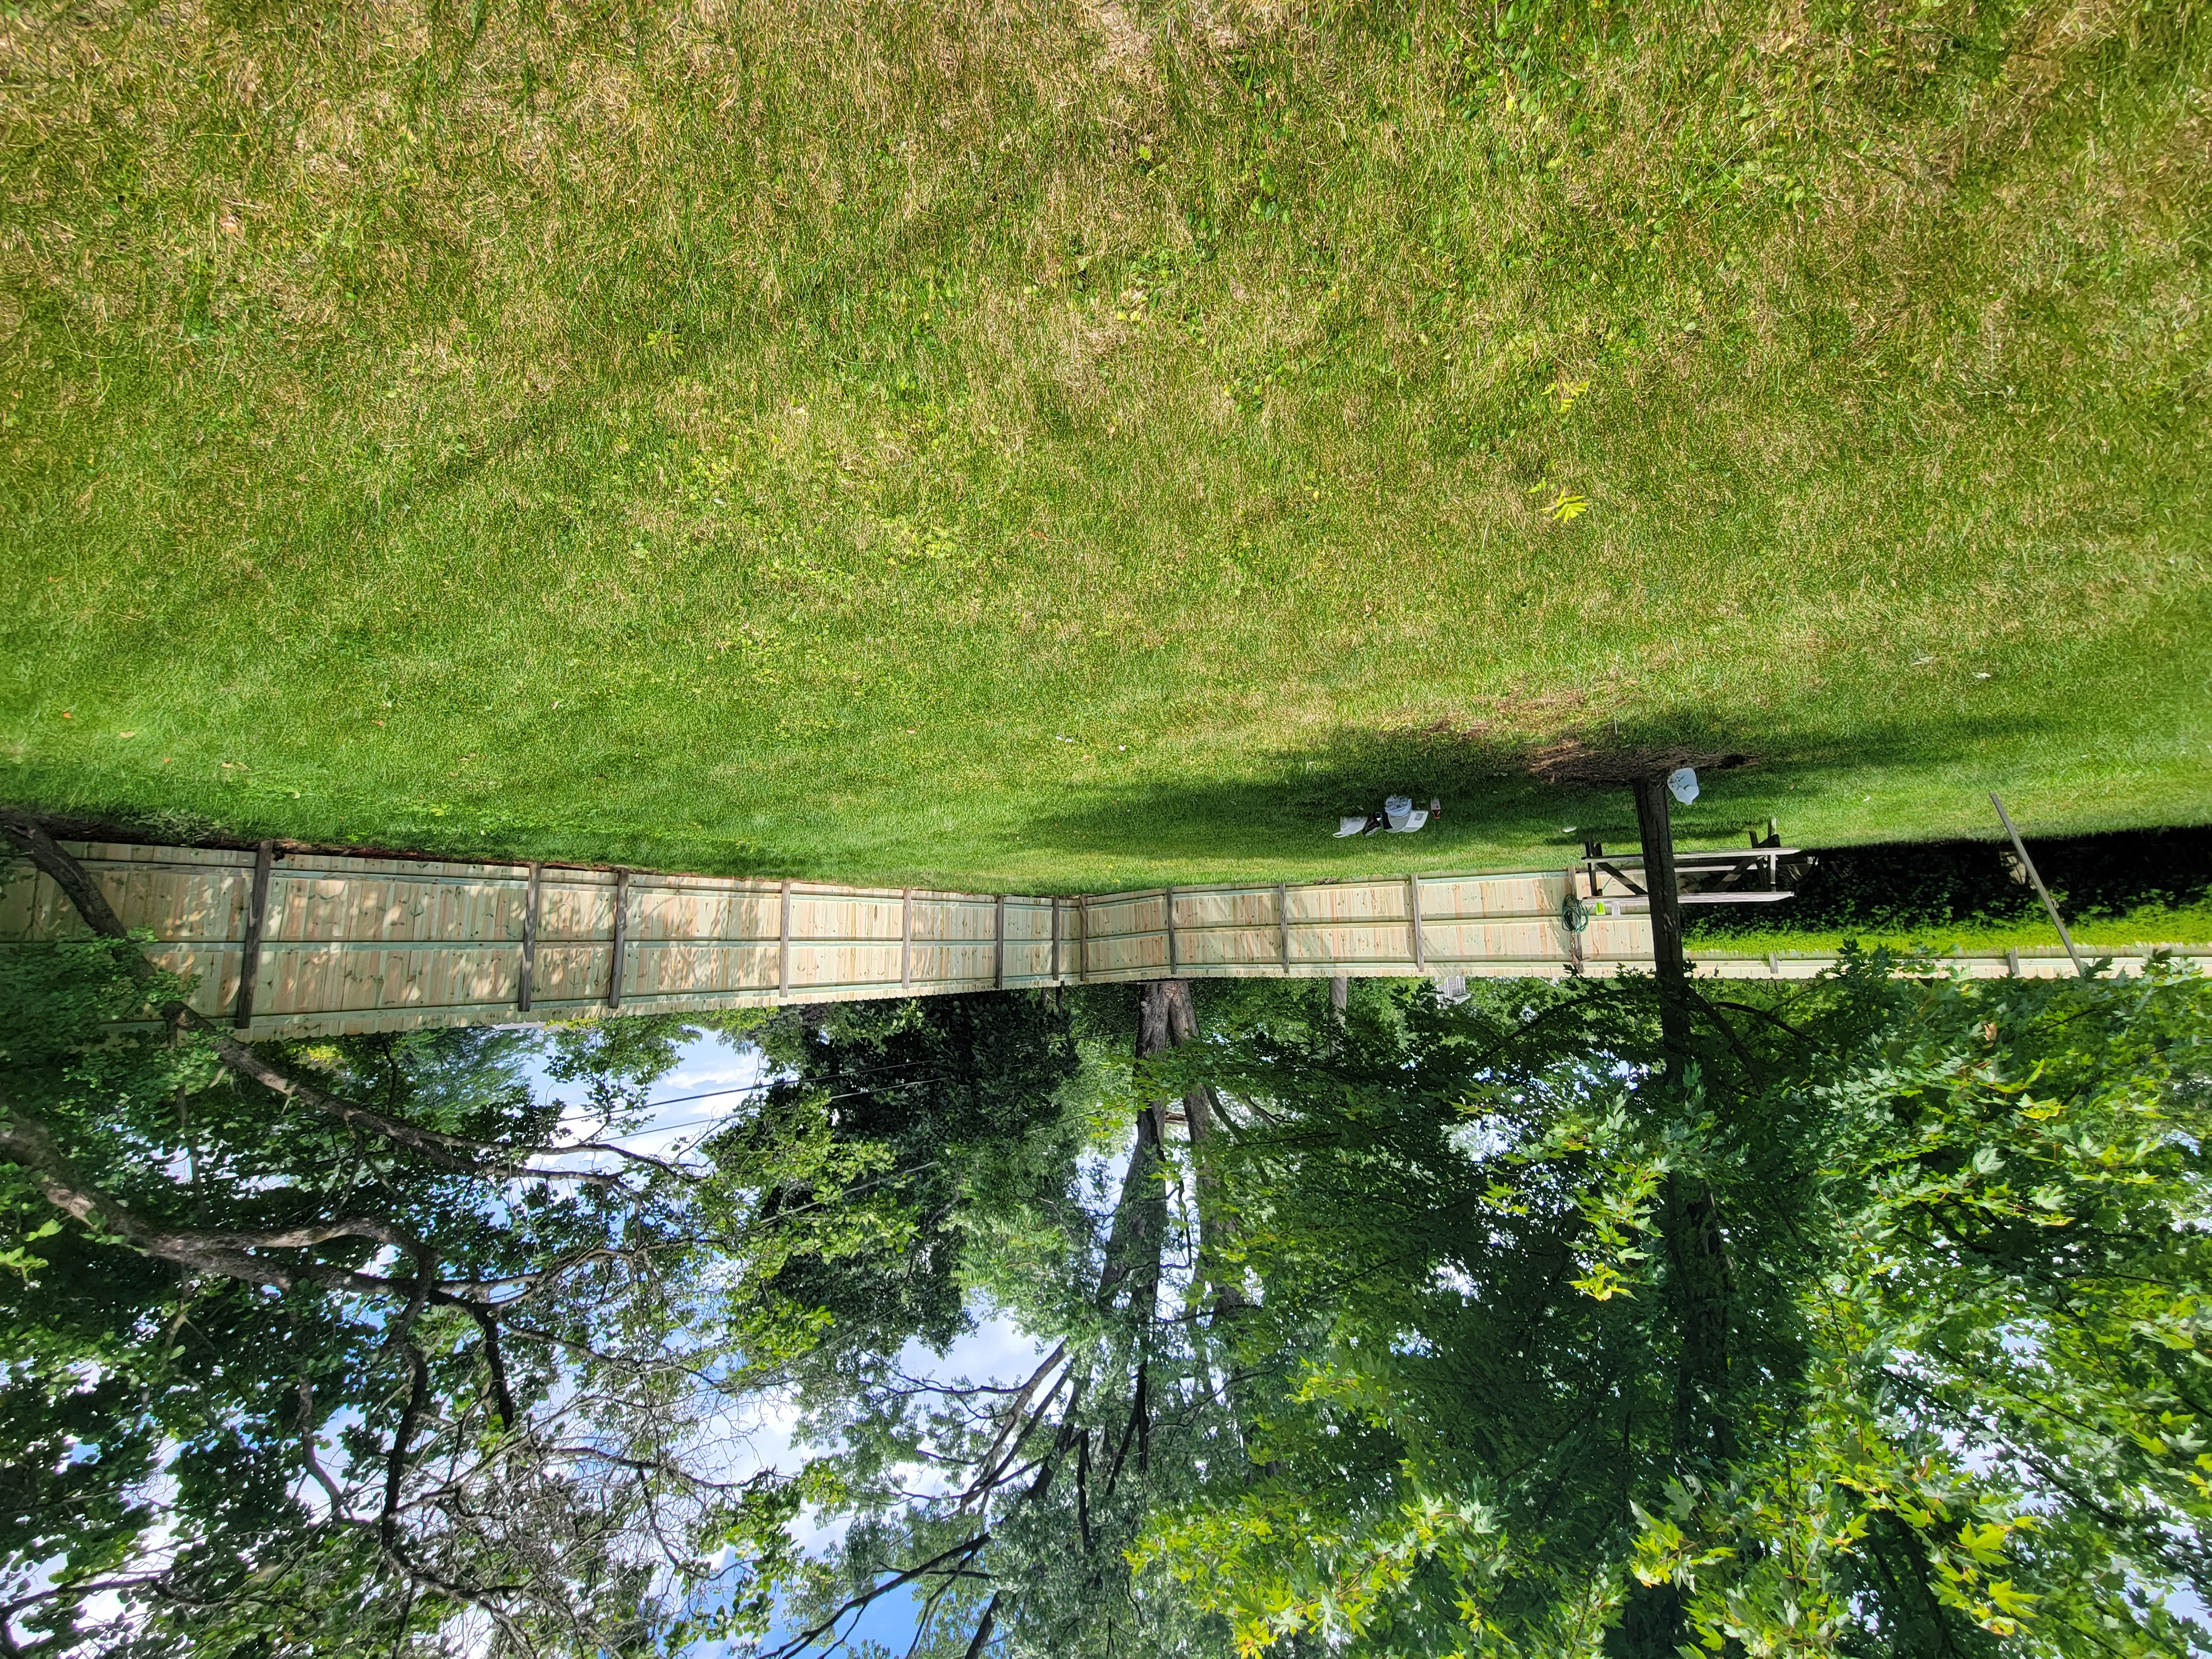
<point>1496,791</point>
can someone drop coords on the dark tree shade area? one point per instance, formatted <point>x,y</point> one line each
<point>1934,884</point>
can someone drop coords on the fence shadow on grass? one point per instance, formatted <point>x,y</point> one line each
<point>1498,792</point>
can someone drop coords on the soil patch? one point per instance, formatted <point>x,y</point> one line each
<point>1576,760</point>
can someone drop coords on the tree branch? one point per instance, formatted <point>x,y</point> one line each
<point>322,1476</point>
<point>992,1466</point>
<point>26,1142</point>
<point>30,837</point>
<point>480,1599</point>
<point>395,1462</point>
<point>1750,1060</point>
<point>1753,1008</point>
<point>806,1638</point>
<point>447,1151</point>
<point>982,1637</point>
<point>502,1400</point>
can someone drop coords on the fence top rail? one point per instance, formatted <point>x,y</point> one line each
<point>1977,953</point>
<point>335,863</point>
<point>294,863</point>
<point>1268,889</point>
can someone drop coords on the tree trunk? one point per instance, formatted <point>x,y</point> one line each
<point>1654,826</point>
<point>1697,1253</point>
<point>1140,1219</point>
<point>1217,1230</point>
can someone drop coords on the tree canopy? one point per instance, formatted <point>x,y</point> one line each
<point>338,1351</point>
<point>1869,1321</point>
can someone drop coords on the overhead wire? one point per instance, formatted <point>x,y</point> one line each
<point>693,1122</point>
<point>771,1082</point>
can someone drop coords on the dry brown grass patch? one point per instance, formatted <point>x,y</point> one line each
<point>1581,760</point>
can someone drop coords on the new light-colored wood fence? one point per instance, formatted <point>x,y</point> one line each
<point>298,945</point>
<point>1506,924</point>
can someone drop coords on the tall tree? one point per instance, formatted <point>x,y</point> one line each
<point>1008,1508</point>
<point>1961,1260</point>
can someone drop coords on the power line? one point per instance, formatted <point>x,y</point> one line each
<point>691,1122</point>
<point>768,1083</point>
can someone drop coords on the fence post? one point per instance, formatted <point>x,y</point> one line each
<point>783,946</point>
<point>999,943</point>
<point>1574,939</point>
<point>529,942</point>
<point>1175,964</point>
<point>257,915</point>
<point>1413,907</point>
<point>621,941</point>
<point>1283,925</point>
<point>906,937</point>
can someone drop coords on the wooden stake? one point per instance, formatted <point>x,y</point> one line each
<point>2041,892</point>
<point>249,955</point>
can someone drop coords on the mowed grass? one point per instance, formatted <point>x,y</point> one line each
<point>1068,446</point>
<point>2189,925</point>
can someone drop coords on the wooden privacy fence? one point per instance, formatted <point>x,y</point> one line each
<point>299,943</point>
<point>1507,925</point>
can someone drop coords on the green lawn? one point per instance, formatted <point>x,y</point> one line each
<point>1066,447</point>
<point>2149,924</point>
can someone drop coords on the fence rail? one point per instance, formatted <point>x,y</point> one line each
<point>301,945</point>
